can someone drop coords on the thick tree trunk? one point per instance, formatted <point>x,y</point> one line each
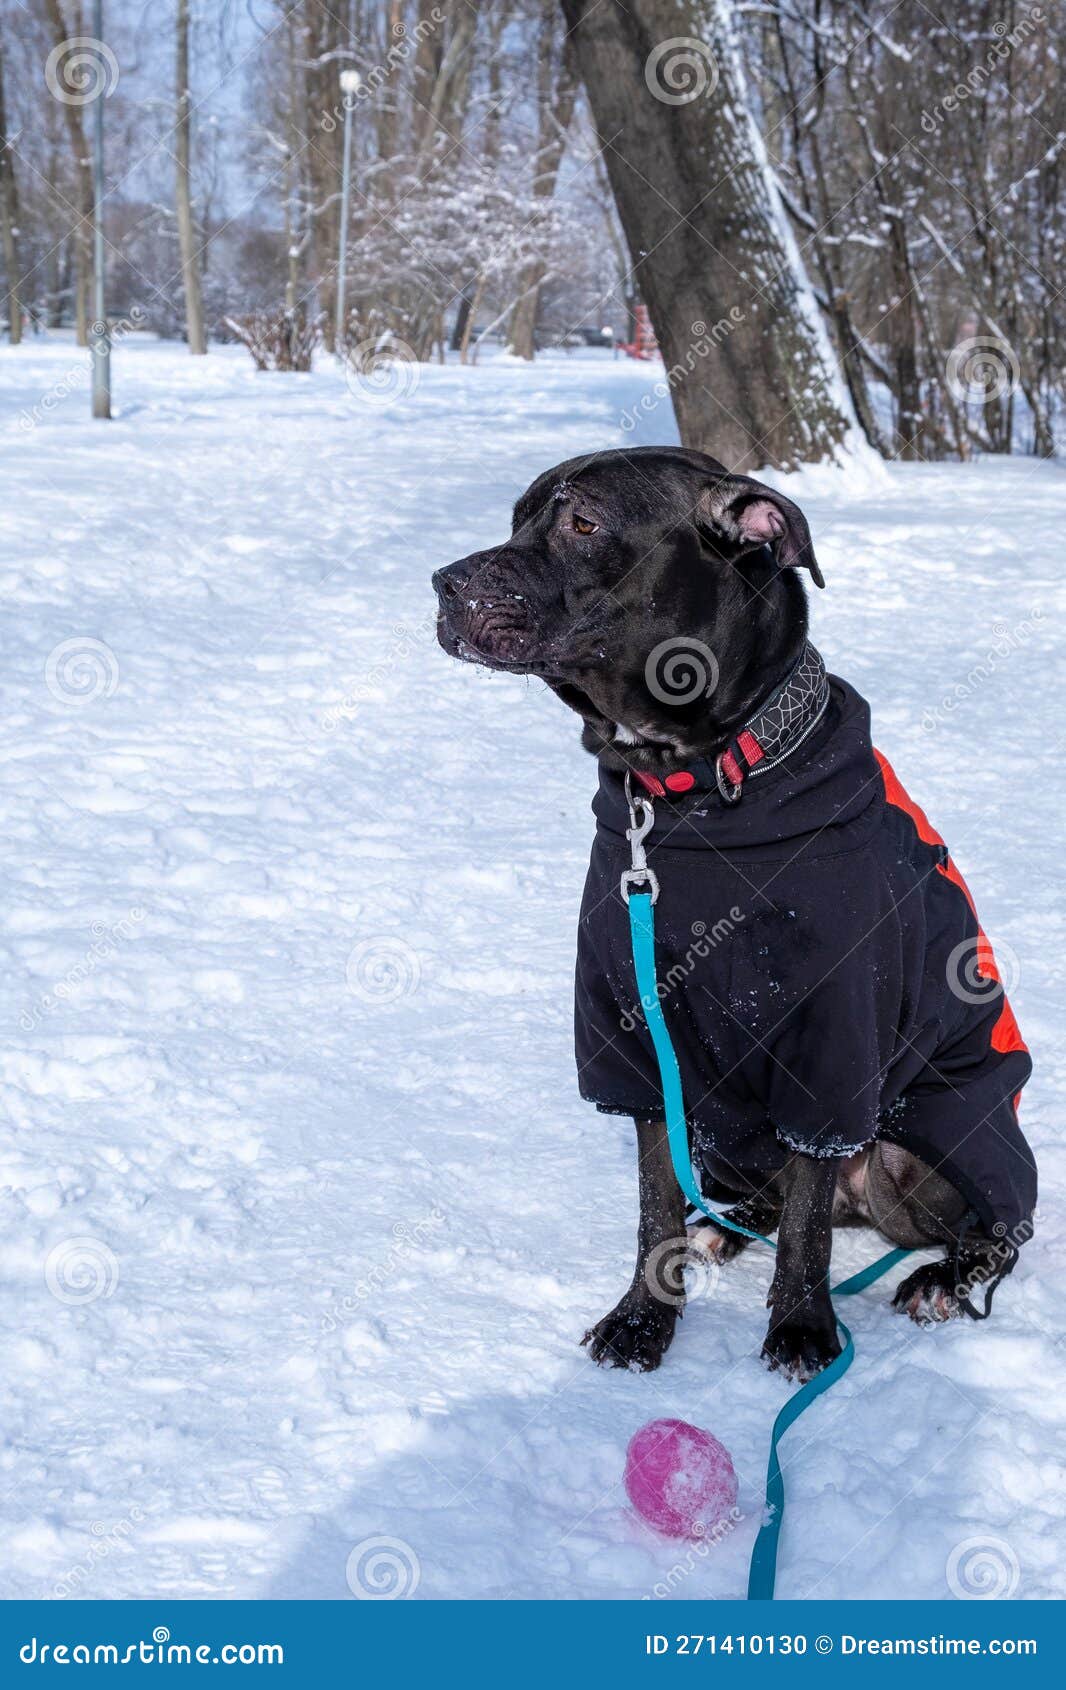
<point>752,373</point>
<point>9,217</point>
<point>190,260</point>
<point>321,37</point>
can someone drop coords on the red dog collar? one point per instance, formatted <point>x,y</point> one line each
<point>765,740</point>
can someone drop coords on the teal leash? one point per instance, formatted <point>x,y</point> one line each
<point>762,1570</point>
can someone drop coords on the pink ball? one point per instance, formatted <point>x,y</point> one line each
<point>679,1478</point>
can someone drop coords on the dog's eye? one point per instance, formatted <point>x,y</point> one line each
<point>583,526</point>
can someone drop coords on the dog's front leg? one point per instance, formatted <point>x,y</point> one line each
<point>637,1332</point>
<point>802,1338</point>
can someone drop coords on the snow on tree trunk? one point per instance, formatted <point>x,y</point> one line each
<point>190,258</point>
<point>752,374</point>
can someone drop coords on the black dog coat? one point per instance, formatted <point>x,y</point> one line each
<point>822,973</point>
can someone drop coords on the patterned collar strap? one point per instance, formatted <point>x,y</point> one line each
<point>770,735</point>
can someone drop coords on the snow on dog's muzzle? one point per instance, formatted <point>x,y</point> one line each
<point>486,619</point>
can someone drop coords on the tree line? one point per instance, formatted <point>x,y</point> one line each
<point>843,216</point>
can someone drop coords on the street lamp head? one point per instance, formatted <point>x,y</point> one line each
<point>351,81</point>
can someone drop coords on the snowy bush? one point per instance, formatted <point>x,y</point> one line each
<point>279,339</point>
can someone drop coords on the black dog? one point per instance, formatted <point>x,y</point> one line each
<point>846,1051</point>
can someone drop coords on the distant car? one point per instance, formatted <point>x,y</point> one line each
<point>577,337</point>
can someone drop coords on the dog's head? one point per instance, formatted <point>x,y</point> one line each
<point>654,591</point>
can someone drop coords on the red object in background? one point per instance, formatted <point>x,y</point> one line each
<point>644,343</point>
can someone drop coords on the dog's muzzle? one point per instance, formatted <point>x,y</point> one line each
<point>480,620</point>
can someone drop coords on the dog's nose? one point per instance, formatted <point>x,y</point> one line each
<point>449,583</point>
<point>442,586</point>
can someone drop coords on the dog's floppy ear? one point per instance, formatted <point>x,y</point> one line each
<point>746,514</point>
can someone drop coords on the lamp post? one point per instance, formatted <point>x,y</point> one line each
<point>101,339</point>
<point>351,82</point>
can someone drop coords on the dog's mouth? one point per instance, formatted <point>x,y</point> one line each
<point>491,644</point>
<point>496,628</point>
<point>495,632</point>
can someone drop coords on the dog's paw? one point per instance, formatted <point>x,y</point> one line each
<point>800,1348</point>
<point>636,1334</point>
<point>928,1295</point>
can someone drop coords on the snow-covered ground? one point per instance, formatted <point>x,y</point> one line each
<point>302,1219</point>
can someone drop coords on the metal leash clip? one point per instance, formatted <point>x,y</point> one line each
<point>641,822</point>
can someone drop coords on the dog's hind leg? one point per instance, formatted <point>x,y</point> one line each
<point>907,1201</point>
<point>913,1205</point>
<point>638,1330</point>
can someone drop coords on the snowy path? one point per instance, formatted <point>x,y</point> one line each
<point>302,1217</point>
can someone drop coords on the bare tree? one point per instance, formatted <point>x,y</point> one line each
<point>190,257</point>
<point>707,237</point>
<point>833,209</point>
<point>557,87</point>
<point>921,146</point>
<point>445,110</point>
<point>322,37</point>
<point>803,93</point>
<point>83,210</point>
